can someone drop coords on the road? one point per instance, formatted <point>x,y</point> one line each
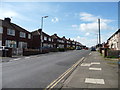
<point>40,70</point>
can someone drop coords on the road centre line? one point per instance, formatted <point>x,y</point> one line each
<point>56,81</point>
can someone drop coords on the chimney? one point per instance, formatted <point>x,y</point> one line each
<point>63,36</point>
<point>69,38</point>
<point>40,30</point>
<point>55,34</point>
<point>7,20</point>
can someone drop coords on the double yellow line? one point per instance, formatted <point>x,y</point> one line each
<point>56,81</point>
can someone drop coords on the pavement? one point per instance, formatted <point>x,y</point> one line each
<point>95,72</point>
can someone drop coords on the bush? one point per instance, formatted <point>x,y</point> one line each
<point>54,50</point>
<point>70,48</point>
<point>61,49</point>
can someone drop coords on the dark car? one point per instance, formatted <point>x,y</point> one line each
<point>93,49</point>
<point>78,48</point>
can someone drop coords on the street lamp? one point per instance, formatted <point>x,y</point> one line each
<point>42,21</point>
<point>41,32</point>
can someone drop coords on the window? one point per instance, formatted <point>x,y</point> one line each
<point>49,39</point>
<point>11,32</point>
<point>22,45</point>
<point>52,40</point>
<point>29,36</point>
<point>1,29</point>
<point>0,43</point>
<point>45,38</point>
<point>22,34</point>
<point>11,43</point>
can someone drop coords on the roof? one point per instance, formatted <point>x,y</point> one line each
<point>115,34</point>
<point>12,26</point>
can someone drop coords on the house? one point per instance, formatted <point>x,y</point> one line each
<point>114,41</point>
<point>58,41</point>
<point>68,43</point>
<point>65,42</point>
<point>41,40</point>
<point>14,36</point>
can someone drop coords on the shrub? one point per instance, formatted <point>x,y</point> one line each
<point>61,49</point>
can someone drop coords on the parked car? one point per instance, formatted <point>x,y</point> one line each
<point>93,49</point>
<point>78,48</point>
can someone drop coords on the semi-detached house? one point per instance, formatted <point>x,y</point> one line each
<point>13,36</point>
<point>114,41</point>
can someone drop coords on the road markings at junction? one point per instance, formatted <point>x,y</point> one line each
<point>56,81</point>
<point>27,57</point>
<point>86,64</point>
<point>89,53</point>
<point>94,81</point>
<point>99,69</point>
<point>15,59</point>
<point>95,62</point>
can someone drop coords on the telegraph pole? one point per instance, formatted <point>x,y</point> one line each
<point>99,33</point>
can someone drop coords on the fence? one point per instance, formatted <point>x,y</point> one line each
<point>109,53</point>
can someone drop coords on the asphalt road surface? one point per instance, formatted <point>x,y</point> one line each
<point>40,70</point>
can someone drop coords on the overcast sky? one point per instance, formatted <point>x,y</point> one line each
<point>75,20</point>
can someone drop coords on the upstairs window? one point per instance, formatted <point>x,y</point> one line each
<point>45,38</point>
<point>29,36</point>
<point>22,34</point>
<point>50,39</point>
<point>11,32</point>
<point>1,29</point>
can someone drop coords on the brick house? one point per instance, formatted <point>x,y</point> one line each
<point>65,42</point>
<point>14,36</point>
<point>68,43</point>
<point>41,39</point>
<point>114,41</point>
<point>73,44</point>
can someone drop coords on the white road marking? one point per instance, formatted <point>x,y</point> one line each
<point>27,57</point>
<point>94,81</point>
<point>95,62</point>
<point>90,54</point>
<point>16,59</point>
<point>85,64</point>
<point>95,69</point>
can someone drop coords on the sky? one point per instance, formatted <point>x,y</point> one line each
<point>75,20</point>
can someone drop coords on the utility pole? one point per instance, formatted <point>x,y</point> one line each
<point>99,33</point>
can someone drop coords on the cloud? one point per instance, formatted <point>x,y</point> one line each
<point>88,17</point>
<point>93,27</point>
<point>87,34</point>
<point>55,20</point>
<point>91,23</point>
<point>74,26</point>
<point>8,13</point>
<point>86,41</point>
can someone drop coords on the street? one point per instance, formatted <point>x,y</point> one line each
<point>40,70</point>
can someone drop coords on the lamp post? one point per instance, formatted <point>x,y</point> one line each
<point>41,32</point>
